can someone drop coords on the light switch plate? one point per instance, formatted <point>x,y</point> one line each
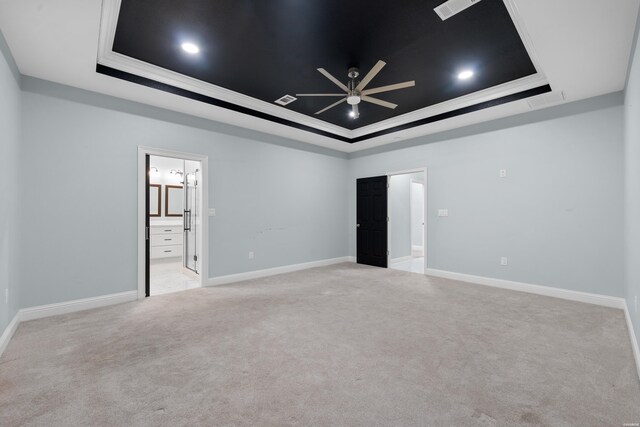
<point>443,212</point>
<point>504,261</point>
<point>212,212</point>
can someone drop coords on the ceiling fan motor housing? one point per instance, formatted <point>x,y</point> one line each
<point>353,98</point>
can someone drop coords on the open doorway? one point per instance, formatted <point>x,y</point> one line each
<point>173,224</point>
<point>172,205</point>
<point>407,242</point>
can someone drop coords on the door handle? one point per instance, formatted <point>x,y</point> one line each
<point>357,225</point>
<point>187,212</point>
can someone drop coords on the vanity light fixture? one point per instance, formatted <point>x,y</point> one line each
<point>176,172</point>
<point>153,171</point>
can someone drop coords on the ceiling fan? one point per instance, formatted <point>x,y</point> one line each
<point>355,91</point>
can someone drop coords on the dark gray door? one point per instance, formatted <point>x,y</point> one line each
<point>371,217</point>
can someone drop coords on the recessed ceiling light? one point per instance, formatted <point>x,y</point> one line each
<point>465,75</point>
<point>190,48</point>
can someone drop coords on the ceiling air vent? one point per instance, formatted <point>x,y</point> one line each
<point>453,7</point>
<point>285,100</point>
<point>546,100</point>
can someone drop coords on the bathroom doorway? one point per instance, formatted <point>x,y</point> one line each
<point>174,237</point>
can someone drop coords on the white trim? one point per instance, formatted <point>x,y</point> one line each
<point>486,95</point>
<point>204,229</point>
<point>106,56</point>
<point>8,332</point>
<point>49,310</point>
<point>257,274</point>
<point>633,338</point>
<point>424,171</point>
<point>42,311</point>
<point>404,172</point>
<point>400,259</point>
<point>596,299</point>
<point>109,58</point>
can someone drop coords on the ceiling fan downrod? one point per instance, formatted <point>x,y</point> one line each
<point>353,98</point>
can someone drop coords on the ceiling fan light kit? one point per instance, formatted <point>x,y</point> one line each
<point>355,92</point>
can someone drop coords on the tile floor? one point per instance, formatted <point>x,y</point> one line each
<point>167,276</point>
<point>413,265</point>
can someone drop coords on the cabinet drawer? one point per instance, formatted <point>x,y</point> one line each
<point>166,239</point>
<point>166,251</point>
<point>173,229</point>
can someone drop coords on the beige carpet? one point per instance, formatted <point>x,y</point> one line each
<point>344,345</point>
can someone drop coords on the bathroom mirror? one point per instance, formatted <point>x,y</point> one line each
<point>155,193</point>
<point>173,200</point>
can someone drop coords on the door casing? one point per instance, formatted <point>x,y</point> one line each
<point>142,192</point>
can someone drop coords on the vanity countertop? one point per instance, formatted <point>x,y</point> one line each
<point>166,223</point>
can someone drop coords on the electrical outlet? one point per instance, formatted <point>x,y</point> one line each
<point>503,173</point>
<point>212,212</point>
<point>504,261</point>
<point>443,212</point>
<point>251,255</point>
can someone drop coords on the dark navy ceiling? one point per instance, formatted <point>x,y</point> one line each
<point>267,49</point>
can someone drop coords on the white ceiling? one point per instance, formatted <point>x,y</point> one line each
<point>582,46</point>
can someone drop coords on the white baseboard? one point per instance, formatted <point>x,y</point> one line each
<point>48,310</point>
<point>632,336</point>
<point>401,259</point>
<point>8,332</point>
<point>597,299</point>
<point>257,274</point>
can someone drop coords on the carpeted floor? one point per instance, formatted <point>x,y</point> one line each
<point>345,345</point>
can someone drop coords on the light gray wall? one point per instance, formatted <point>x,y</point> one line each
<point>632,188</point>
<point>417,211</point>
<point>399,217</point>
<point>400,230</point>
<point>9,196</point>
<point>557,216</point>
<point>80,197</point>
<point>288,205</point>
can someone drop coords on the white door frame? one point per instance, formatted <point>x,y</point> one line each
<point>424,214</point>
<point>204,229</point>
<point>424,236</point>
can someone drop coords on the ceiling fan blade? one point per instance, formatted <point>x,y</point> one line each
<point>332,105</point>
<point>334,80</point>
<point>374,72</point>
<point>379,102</point>
<point>389,88</point>
<point>356,111</point>
<point>319,94</point>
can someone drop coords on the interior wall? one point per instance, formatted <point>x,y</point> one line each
<point>632,189</point>
<point>400,232</point>
<point>417,212</point>
<point>9,184</point>
<point>557,215</point>
<point>286,205</point>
